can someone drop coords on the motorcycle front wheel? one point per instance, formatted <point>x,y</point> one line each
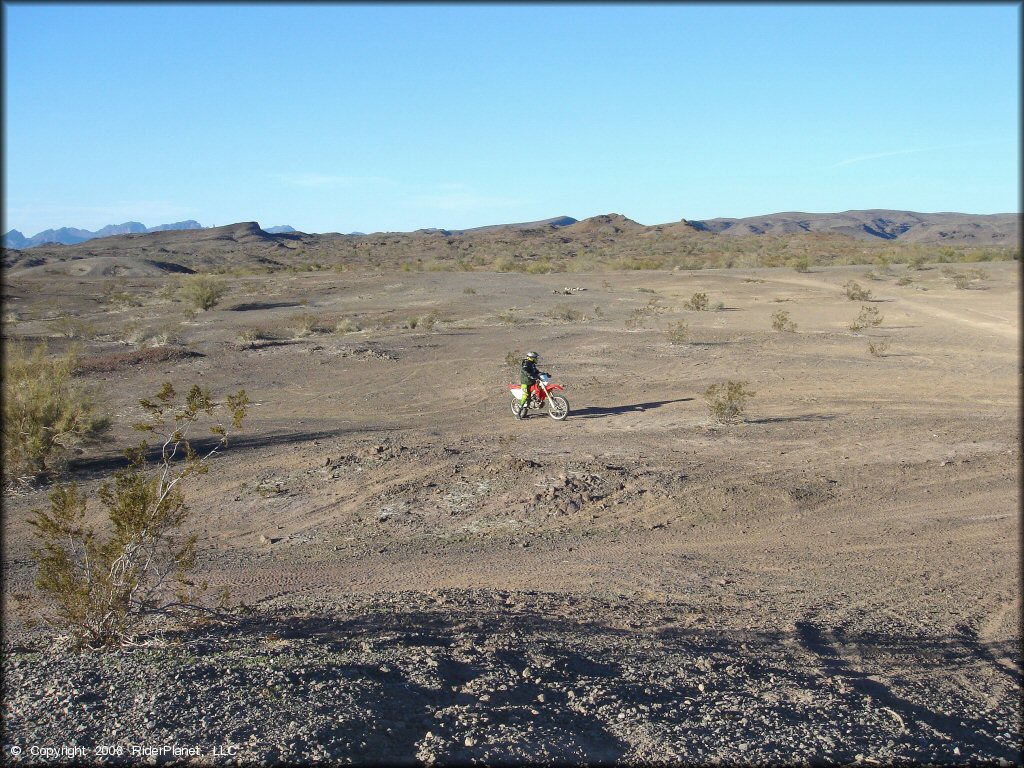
<point>515,408</point>
<point>558,407</point>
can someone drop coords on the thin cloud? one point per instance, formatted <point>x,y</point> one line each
<point>897,152</point>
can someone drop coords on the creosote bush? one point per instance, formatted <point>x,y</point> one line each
<point>728,401</point>
<point>678,333</point>
<point>103,585</point>
<point>203,291</point>
<point>855,291</point>
<point>877,347</point>
<point>514,357</point>
<point>698,302</point>
<point>869,316</point>
<point>44,413</point>
<point>781,322</point>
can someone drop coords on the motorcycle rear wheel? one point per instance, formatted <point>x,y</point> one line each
<point>558,407</point>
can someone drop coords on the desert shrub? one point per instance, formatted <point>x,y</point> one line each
<point>698,302</point>
<point>678,333</point>
<point>468,290</point>
<point>305,324</point>
<point>598,311</point>
<point>71,327</point>
<point>203,291</point>
<point>781,321</point>
<point>514,357</point>
<point>507,318</point>
<point>727,402</point>
<point>855,291</point>
<point>101,586</point>
<point>247,337</point>
<point>718,306</point>
<point>877,347</point>
<point>905,280</point>
<point>44,414</point>
<point>801,264</point>
<point>872,275</point>
<point>916,261</point>
<point>869,316</point>
<point>640,315</point>
<point>346,326</point>
<point>567,314</point>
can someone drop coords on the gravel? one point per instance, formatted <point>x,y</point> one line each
<point>492,677</point>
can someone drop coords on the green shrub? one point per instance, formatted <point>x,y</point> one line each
<point>203,291</point>
<point>727,402</point>
<point>103,585</point>
<point>44,414</point>
<point>781,321</point>
<point>801,264</point>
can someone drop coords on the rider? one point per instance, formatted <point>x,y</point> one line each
<point>528,376</point>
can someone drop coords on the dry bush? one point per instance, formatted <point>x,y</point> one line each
<point>346,325</point>
<point>567,314</point>
<point>203,292</point>
<point>781,322</point>
<point>248,337</point>
<point>878,347</point>
<point>727,402</point>
<point>44,414</point>
<point>507,318</point>
<point>102,587</point>
<point>916,262</point>
<point>678,333</point>
<point>855,291</point>
<point>905,280</point>
<point>869,316</point>
<point>513,358</point>
<point>469,290</point>
<point>426,322</point>
<point>71,327</point>
<point>305,324</point>
<point>698,302</point>
<point>801,264</point>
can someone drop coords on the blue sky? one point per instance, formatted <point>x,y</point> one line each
<point>334,118</point>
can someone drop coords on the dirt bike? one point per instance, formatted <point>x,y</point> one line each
<point>540,393</point>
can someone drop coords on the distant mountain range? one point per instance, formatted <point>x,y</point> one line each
<point>606,241</point>
<point>72,236</point>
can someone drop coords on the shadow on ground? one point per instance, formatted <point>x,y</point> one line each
<point>598,412</point>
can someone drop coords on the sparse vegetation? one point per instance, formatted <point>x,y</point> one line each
<point>305,324</point>
<point>855,291</point>
<point>102,585</point>
<point>469,290</point>
<point>678,333</point>
<point>878,347</point>
<point>248,337</point>
<point>698,302</point>
<point>203,292</point>
<point>869,316</point>
<point>567,314</point>
<point>346,325</point>
<point>781,322</point>
<point>45,414</point>
<point>727,402</point>
<point>905,280</point>
<point>507,318</point>
<point>801,264</point>
<point>514,357</point>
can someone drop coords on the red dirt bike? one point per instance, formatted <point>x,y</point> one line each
<point>541,393</point>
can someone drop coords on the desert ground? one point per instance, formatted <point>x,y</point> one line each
<point>416,576</point>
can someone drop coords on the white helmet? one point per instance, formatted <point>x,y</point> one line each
<point>532,356</point>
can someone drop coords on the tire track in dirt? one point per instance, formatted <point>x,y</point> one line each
<point>1000,328</point>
